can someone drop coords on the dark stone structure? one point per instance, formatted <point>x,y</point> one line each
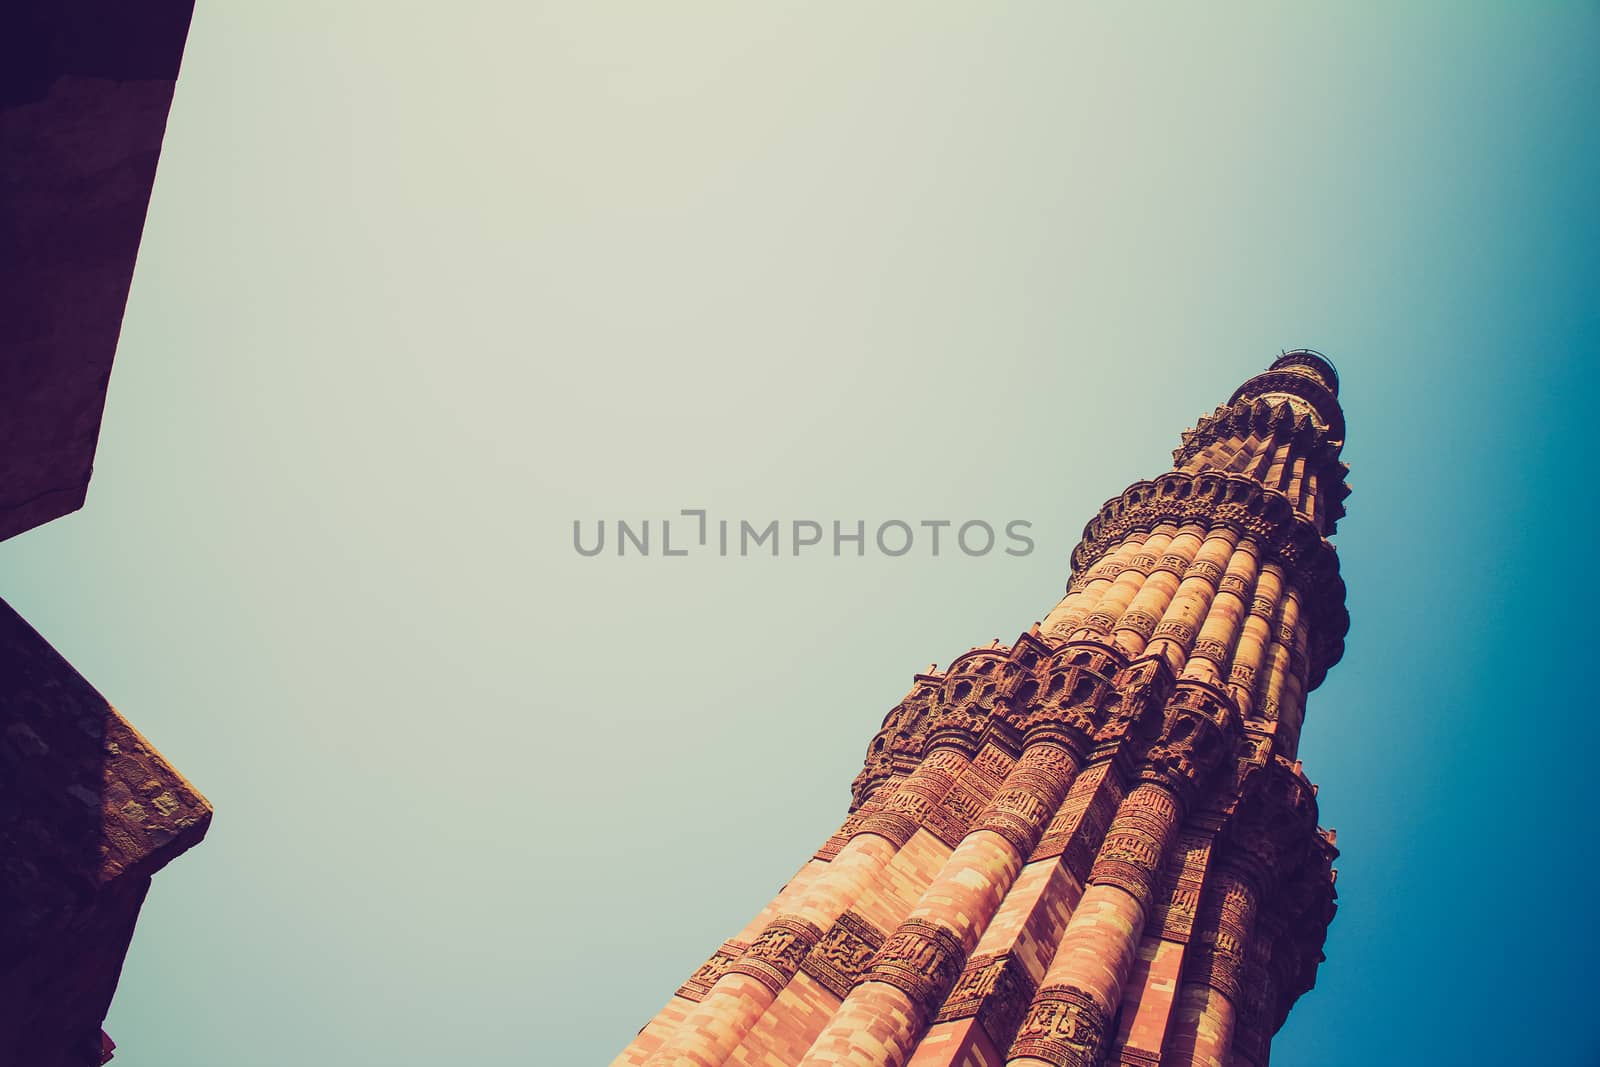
<point>84,92</point>
<point>88,810</point>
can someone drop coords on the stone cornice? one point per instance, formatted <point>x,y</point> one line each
<point>1301,385</point>
<point>1260,417</point>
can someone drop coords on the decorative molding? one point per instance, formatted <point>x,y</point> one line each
<point>774,956</point>
<point>1130,858</point>
<point>922,959</point>
<point>701,981</point>
<point>1063,1026</point>
<point>1183,882</point>
<point>1197,735</point>
<point>996,989</point>
<point>843,954</point>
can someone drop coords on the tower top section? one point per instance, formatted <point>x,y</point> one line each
<point>1309,360</point>
<point>1307,380</point>
<point>1262,469</point>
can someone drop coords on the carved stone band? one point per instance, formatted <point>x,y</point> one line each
<point>1130,858</point>
<point>896,828</point>
<point>1030,797</point>
<point>995,988</point>
<point>774,957</point>
<point>922,959</point>
<point>701,981</point>
<point>842,954</point>
<point>1063,1025</point>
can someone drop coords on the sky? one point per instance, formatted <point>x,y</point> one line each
<point>418,289</point>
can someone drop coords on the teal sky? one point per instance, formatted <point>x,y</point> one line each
<point>418,289</point>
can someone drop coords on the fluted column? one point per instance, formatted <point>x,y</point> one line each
<point>1175,634</point>
<point>1202,1032</point>
<point>1069,1019</point>
<point>981,1015</point>
<point>683,1002</point>
<point>1070,1015</point>
<point>880,1021</point>
<point>886,1013</point>
<point>1147,999</point>
<point>1255,639</point>
<point>1099,578</point>
<point>1293,636</point>
<point>1225,615</point>
<point>1131,577</point>
<point>749,984</point>
<point>1138,623</point>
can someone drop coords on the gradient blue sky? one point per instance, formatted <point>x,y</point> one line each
<point>418,289</point>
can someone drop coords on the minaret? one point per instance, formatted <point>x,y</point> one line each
<point>1095,846</point>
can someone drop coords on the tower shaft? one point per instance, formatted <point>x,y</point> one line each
<point>1095,845</point>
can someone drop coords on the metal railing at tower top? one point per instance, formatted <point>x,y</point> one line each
<point>1312,358</point>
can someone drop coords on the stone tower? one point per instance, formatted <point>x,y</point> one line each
<point>1096,846</point>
